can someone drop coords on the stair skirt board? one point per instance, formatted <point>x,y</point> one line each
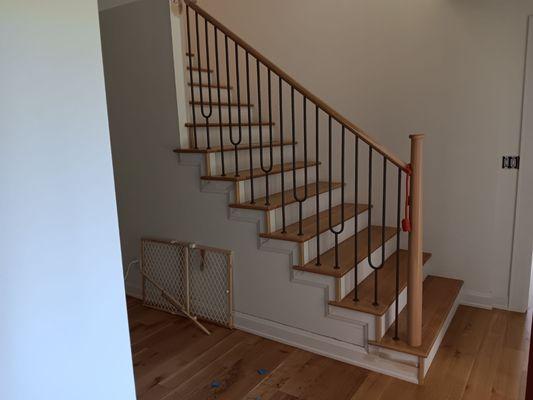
<point>399,365</point>
<point>325,346</point>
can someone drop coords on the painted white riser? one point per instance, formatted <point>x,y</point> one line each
<point>225,111</point>
<point>308,209</point>
<point>214,94</point>
<point>215,159</point>
<point>364,269</point>
<point>377,325</point>
<point>274,182</point>
<point>327,239</point>
<point>214,134</point>
<point>204,75</point>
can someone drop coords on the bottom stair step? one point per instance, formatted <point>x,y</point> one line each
<point>386,288</point>
<point>439,297</point>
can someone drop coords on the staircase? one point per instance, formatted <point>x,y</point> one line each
<point>322,186</point>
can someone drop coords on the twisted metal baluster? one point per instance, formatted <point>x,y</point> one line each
<point>332,228</point>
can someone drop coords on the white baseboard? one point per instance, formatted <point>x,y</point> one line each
<point>478,299</point>
<point>324,346</point>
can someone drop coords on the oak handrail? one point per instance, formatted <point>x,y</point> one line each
<point>365,137</point>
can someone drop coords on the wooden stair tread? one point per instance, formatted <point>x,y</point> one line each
<point>386,289</point>
<point>218,103</point>
<point>275,199</point>
<point>309,224</point>
<point>212,86</point>
<point>227,124</point>
<point>244,174</point>
<point>203,69</point>
<point>218,149</point>
<point>439,295</point>
<point>347,253</point>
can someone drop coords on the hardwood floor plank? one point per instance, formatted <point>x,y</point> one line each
<point>483,356</point>
<point>373,387</point>
<point>185,372</point>
<point>270,386</point>
<point>234,375</point>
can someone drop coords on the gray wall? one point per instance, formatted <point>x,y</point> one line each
<point>137,52</point>
<point>63,322</point>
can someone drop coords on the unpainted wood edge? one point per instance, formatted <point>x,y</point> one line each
<point>421,367</point>
<point>377,324</point>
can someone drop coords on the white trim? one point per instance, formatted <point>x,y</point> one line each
<point>324,346</point>
<point>520,273</point>
<point>477,299</point>
<point>107,4</point>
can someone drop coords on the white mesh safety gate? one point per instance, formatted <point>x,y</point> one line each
<point>185,278</point>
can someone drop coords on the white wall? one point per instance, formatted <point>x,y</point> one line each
<point>523,240</point>
<point>450,69</point>
<point>63,322</point>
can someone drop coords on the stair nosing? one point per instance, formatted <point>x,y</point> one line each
<point>221,104</point>
<point>262,174</point>
<point>310,266</point>
<point>230,148</point>
<point>264,207</point>
<point>376,312</point>
<point>228,125</point>
<point>303,239</point>
<point>212,86</point>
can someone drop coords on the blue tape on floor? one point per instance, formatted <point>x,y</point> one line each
<point>263,371</point>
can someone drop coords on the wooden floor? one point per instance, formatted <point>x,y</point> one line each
<point>483,356</point>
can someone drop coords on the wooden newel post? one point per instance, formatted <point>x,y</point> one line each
<point>416,277</point>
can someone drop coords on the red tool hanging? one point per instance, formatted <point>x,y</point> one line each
<point>406,222</point>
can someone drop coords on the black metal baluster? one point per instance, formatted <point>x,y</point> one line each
<point>220,105</point>
<point>250,149</point>
<point>356,221</point>
<point>230,127</point>
<point>332,228</point>
<point>205,114</point>
<point>317,177</point>
<point>300,200</point>
<point>374,267</point>
<point>268,170</point>
<point>260,112</point>
<point>239,117</point>
<point>398,211</point>
<point>189,49</point>
<point>284,230</point>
